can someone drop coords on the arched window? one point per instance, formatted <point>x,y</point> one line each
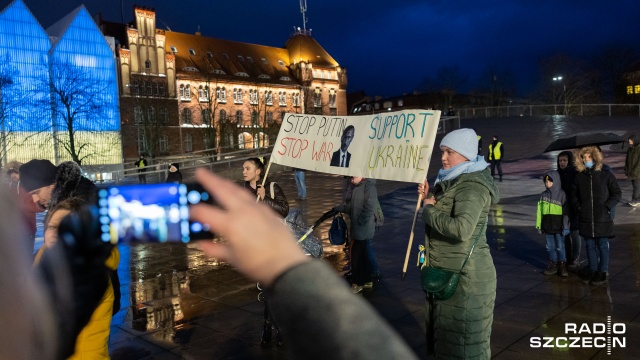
<point>147,64</point>
<point>239,117</point>
<point>136,88</point>
<point>186,116</point>
<point>206,117</point>
<point>156,92</point>
<point>163,143</point>
<point>268,97</point>
<point>188,143</point>
<point>137,115</point>
<point>223,116</point>
<point>254,118</point>
<point>163,116</point>
<point>151,115</point>
<point>268,117</point>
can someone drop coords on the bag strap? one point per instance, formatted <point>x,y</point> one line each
<point>473,246</point>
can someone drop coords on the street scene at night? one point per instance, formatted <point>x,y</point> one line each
<point>176,189</point>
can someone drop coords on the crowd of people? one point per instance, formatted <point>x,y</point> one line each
<point>577,204</point>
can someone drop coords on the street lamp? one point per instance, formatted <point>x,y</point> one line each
<point>564,92</point>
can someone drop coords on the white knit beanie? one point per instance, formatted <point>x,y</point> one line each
<point>462,141</point>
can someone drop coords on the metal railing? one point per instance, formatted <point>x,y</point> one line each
<point>553,109</point>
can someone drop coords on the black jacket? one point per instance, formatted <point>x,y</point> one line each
<point>595,192</point>
<point>568,176</point>
<point>175,176</point>
<point>278,203</point>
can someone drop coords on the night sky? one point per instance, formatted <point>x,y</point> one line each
<point>388,47</point>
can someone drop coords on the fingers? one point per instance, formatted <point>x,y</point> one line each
<point>225,192</point>
<point>214,250</point>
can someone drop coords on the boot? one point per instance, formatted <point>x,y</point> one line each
<point>266,334</point>
<point>586,275</point>
<point>599,278</point>
<point>562,269</point>
<point>551,269</point>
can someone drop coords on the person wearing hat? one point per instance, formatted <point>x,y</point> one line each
<point>455,216</point>
<point>496,154</point>
<point>49,184</point>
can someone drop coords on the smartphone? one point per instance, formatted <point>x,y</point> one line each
<point>151,213</point>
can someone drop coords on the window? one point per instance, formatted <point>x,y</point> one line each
<point>636,89</point>
<point>317,98</point>
<point>151,115</point>
<point>147,64</point>
<point>137,115</point>
<point>203,93</point>
<point>239,117</point>
<point>264,61</point>
<point>237,96</point>
<point>400,102</point>
<point>143,88</point>
<point>206,117</point>
<point>240,58</point>
<point>225,56</point>
<point>149,88</point>
<point>268,98</point>
<point>282,98</point>
<point>221,95</point>
<point>156,90</point>
<point>223,116</point>
<point>629,90</point>
<point>264,76</point>
<point>253,96</point>
<point>209,54</point>
<point>285,78</point>
<point>163,143</point>
<point>332,98</point>
<point>376,106</point>
<point>173,49</point>
<point>141,140</point>
<point>206,141</point>
<point>250,59</point>
<point>161,89</point>
<point>241,73</point>
<point>188,143</point>
<point>163,116</point>
<point>296,99</point>
<point>192,52</point>
<point>186,116</point>
<point>185,92</point>
<point>136,88</point>
<point>268,117</point>
<point>280,62</point>
<point>254,118</point>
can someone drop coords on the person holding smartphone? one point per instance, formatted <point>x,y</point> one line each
<point>272,195</point>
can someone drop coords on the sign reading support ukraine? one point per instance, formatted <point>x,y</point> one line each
<point>390,146</point>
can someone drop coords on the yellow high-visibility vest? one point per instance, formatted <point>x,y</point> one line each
<point>495,155</point>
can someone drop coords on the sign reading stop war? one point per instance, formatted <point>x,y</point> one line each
<point>391,146</point>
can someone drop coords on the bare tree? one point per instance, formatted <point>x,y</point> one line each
<point>11,99</point>
<point>497,84</point>
<point>80,102</point>
<point>447,82</point>
<point>567,81</point>
<point>613,61</point>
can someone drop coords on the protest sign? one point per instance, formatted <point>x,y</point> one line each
<point>391,145</point>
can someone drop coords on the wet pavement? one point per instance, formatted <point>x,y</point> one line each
<point>177,303</point>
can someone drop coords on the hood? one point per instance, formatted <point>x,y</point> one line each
<point>483,178</point>
<point>633,138</point>
<point>569,155</point>
<point>176,165</point>
<point>556,185</point>
<point>598,159</point>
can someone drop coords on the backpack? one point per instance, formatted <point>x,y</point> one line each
<point>338,230</point>
<point>378,216</point>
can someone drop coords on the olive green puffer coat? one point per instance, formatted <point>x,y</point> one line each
<point>460,327</point>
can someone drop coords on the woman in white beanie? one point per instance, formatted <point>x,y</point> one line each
<point>455,213</point>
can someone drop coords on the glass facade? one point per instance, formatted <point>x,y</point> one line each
<point>75,75</point>
<point>25,111</point>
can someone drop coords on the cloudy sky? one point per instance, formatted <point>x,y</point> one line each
<point>388,47</point>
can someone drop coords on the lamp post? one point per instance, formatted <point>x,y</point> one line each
<point>564,92</point>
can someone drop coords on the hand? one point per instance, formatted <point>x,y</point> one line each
<point>260,190</point>
<point>423,188</point>
<point>429,201</point>
<point>258,243</point>
<point>539,231</point>
<point>565,232</point>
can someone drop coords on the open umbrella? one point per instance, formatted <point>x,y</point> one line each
<point>588,139</point>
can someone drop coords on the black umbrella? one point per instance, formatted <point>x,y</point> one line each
<point>589,139</point>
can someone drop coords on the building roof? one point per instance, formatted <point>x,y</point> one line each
<point>305,48</point>
<point>224,58</point>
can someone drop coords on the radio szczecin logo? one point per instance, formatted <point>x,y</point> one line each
<point>596,335</point>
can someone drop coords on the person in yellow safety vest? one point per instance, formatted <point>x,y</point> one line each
<point>479,145</point>
<point>496,153</point>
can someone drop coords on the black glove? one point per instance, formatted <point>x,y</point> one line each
<point>75,269</point>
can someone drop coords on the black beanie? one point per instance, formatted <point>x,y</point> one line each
<point>37,173</point>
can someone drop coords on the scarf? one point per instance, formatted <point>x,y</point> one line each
<point>478,164</point>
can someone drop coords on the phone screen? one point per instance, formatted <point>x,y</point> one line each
<point>151,213</point>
